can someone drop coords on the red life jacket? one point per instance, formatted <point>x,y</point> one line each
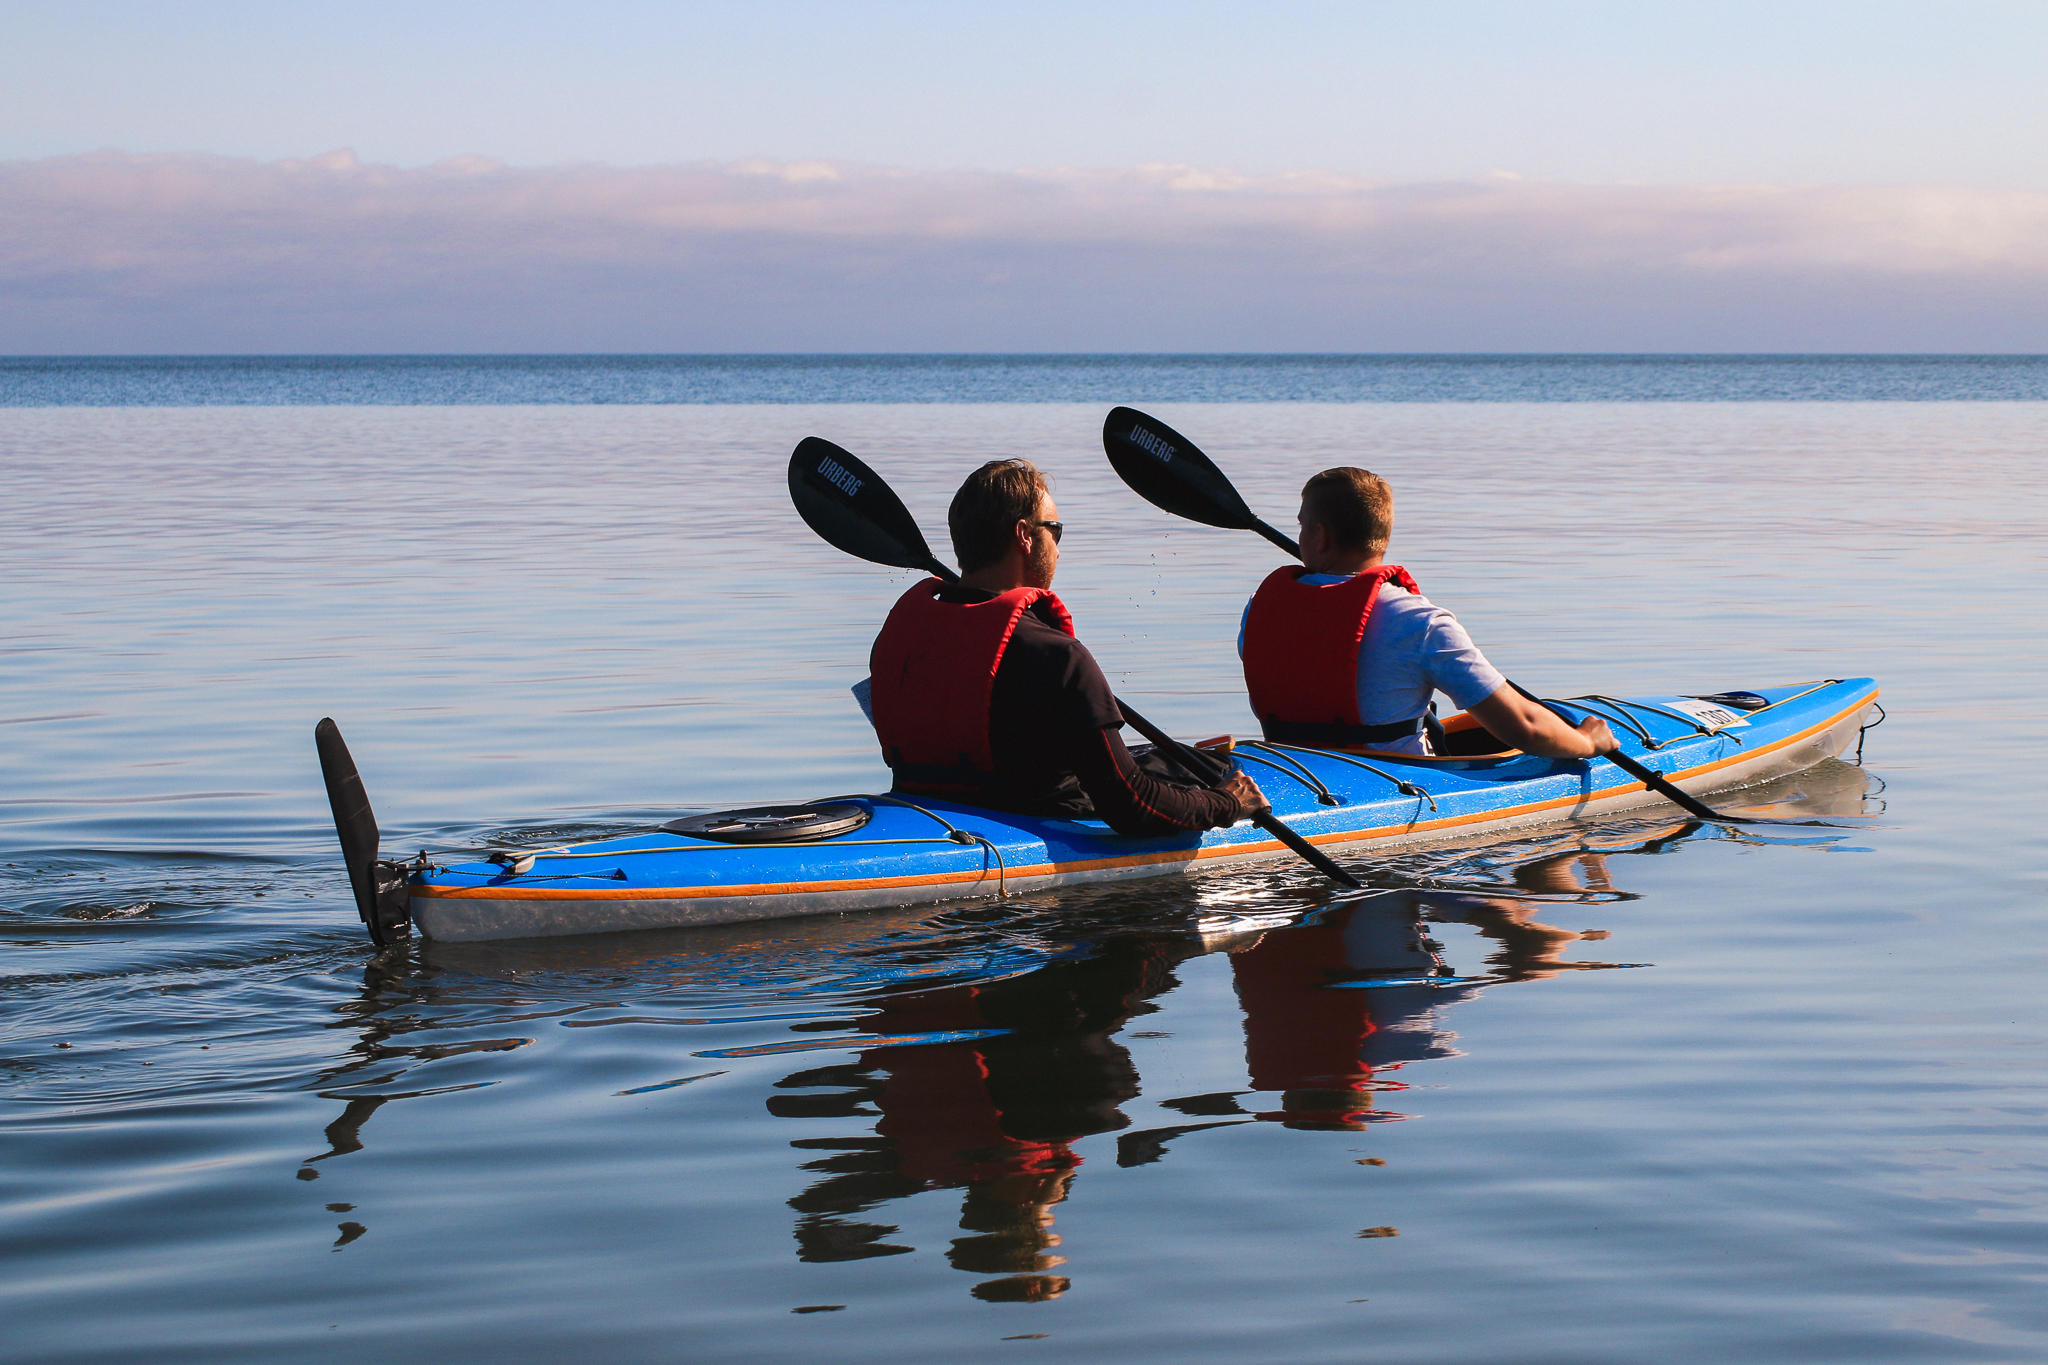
<point>934,672</point>
<point>1301,657</point>
<point>1298,1034</point>
<point>937,1106</point>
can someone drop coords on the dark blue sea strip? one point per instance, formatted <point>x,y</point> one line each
<point>445,380</point>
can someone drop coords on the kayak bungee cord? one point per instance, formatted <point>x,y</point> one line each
<point>1824,682</point>
<point>519,862</point>
<point>954,834</point>
<point>1624,719</point>
<point>1294,770</point>
<point>714,847</point>
<point>1694,721</point>
<point>1402,785</point>
<point>1863,730</point>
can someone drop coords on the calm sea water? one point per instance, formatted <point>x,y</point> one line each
<point>1807,1128</point>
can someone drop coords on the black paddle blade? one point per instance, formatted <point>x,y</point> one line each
<point>848,504</point>
<point>354,821</point>
<point>1169,471</point>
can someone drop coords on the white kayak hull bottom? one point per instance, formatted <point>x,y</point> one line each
<point>477,919</point>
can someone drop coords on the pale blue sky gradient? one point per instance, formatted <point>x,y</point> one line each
<point>634,175</point>
<point>1792,92</point>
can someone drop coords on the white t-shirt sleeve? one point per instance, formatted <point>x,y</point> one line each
<point>1414,648</point>
<point>1454,664</point>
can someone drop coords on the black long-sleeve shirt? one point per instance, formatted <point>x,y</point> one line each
<point>1053,733</point>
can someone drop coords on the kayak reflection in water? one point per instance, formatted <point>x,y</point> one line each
<point>1333,1008</point>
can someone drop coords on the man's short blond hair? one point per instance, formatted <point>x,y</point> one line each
<point>1355,505</point>
<point>988,507</point>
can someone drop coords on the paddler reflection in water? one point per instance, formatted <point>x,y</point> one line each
<point>1344,651</point>
<point>981,693</point>
<point>1333,1007</point>
<point>994,1118</point>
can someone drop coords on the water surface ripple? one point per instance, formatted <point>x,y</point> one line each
<point>1700,1094</point>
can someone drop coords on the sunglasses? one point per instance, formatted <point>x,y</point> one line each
<point>1058,529</point>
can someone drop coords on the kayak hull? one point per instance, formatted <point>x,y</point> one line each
<point>910,854</point>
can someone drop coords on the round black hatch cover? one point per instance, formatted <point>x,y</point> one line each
<point>774,824</point>
<point>1740,701</point>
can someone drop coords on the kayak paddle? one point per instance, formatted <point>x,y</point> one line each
<point>1169,471</point>
<point>850,506</point>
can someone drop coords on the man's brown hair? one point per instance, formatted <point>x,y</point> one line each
<point>988,507</point>
<point>1355,504</point>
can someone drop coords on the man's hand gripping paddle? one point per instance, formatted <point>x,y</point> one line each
<point>853,509</point>
<point>1169,471</point>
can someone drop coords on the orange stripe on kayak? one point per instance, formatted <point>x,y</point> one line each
<point>1108,864</point>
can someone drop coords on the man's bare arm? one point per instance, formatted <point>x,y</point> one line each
<point>1534,728</point>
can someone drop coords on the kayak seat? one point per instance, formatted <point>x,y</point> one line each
<point>1471,740</point>
<point>1462,736</point>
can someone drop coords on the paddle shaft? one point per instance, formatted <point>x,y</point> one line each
<point>1207,768</point>
<point>1282,541</point>
<point>1664,787</point>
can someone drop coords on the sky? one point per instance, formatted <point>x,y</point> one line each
<point>622,175</point>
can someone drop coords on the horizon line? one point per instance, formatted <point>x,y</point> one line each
<point>1027,355</point>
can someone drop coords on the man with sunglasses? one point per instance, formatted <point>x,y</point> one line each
<point>981,693</point>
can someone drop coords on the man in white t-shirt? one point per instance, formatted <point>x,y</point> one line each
<point>1346,652</point>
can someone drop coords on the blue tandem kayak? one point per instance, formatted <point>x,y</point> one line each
<point>900,851</point>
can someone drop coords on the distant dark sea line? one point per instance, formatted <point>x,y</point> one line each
<point>400,380</point>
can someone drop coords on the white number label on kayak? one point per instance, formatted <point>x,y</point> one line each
<point>1706,713</point>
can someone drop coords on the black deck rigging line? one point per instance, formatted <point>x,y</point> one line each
<point>1293,769</point>
<point>1406,788</point>
<point>1694,721</point>
<point>1863,730</point>
<point>1629,722</point>
<point>953,832</point>
<point>613,876</point>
